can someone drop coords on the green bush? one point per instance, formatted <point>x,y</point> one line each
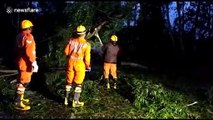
<point>156,101</point>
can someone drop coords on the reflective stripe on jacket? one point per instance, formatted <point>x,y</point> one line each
<point>26,50</point>
<point>78,49</point>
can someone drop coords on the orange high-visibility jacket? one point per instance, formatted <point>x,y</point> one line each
<point>79,49</point>
<point>26,51</point>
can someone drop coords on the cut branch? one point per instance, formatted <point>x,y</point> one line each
<point>191,104</point>
<point>96,30</point>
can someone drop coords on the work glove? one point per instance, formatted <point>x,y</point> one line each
<point>88,69</point>
<point>35,66</point>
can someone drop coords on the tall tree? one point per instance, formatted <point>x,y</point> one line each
<point>180,24</point>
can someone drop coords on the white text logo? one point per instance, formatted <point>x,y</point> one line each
<point>21,10</point>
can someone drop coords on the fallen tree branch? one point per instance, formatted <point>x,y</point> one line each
<point>9,71</point>
<point>191,104</point>
<point>8,75</point>
<point>95,30</point>
<point>134,65</point>
<point>210,111</point>
<point>13,81</point>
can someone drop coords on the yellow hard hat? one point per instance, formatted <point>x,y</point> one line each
<point>81,30</point>
<point>26,24</point>
<point>114,38</point>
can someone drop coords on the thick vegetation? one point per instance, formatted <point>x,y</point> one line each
<point>141,93</point>
<point>138,96</point>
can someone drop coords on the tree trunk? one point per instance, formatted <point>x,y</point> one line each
<point>209,18</point>
<point>169,25</point>
<point>196,20</point>
<point>180,28</point>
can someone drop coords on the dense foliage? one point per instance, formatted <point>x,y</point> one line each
<point>181,48</point>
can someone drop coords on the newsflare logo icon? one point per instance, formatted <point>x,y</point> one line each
<point>9,10</point>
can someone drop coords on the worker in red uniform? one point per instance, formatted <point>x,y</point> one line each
<point>111,50</point>
<point>78,54</point>
<point>26,61</point>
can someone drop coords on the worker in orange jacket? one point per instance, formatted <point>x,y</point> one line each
<point>78,54</point>
<point>111,50</point>
<point>26,62</point>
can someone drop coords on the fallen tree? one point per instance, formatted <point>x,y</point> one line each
<point>8,71</point>
<point>131,64</point>
<point>11,73</point>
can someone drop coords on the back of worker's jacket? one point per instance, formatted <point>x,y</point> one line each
<point>110,52</point>
<point>78,49</point>
<point>26,51</point>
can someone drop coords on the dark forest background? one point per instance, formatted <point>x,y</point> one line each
<point>165,62</point>
<point>147,35</point>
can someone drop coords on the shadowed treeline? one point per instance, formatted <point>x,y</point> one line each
<point>151,41</point>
